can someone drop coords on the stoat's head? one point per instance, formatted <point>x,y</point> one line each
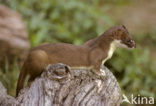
<point>122,35</point>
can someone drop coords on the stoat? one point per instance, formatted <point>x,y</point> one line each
<point>91,54</point>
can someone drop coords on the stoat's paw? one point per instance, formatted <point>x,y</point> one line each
<point>102,72</point>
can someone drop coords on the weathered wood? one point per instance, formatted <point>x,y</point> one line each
<point>60,86</point>
<point>5,100</point>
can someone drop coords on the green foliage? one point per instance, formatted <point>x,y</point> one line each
<point>71,21</point>
<point>134,71</point>
<point>9,76</point>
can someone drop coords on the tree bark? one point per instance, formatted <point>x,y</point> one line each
<point>58,85</point>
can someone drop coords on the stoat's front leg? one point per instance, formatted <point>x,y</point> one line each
<point>98,70</point>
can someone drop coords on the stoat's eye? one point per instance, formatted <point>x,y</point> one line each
<point>128,41</point>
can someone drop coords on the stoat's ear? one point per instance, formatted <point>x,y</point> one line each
<point>123,26</point>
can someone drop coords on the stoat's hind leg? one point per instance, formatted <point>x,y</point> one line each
<point>38,60</point>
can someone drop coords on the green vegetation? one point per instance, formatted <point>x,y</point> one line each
<point>59,20</point>
<point>9,76</point>
<point>76,21</point>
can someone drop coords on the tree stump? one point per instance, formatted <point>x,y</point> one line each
<point>5,100</point>
<point>58,85</point>
<point>13,35</point>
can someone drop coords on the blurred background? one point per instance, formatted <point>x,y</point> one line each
<point>76,21</point>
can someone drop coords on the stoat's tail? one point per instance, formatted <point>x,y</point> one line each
<point>21,80</point>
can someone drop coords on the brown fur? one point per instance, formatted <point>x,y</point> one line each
<point>91,54</point>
